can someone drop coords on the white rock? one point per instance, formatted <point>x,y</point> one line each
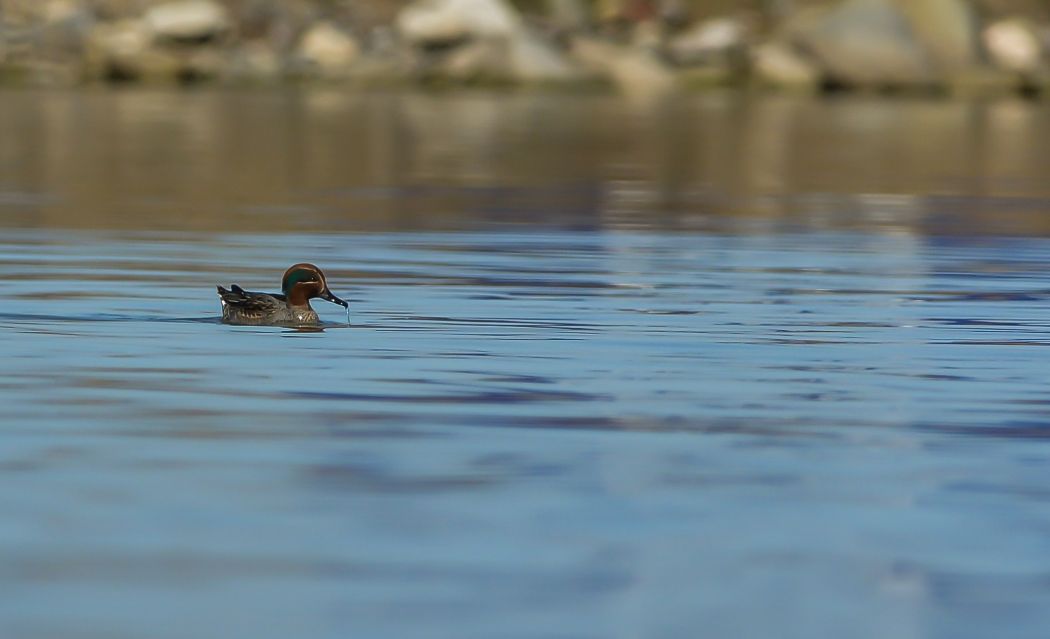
<point>493,41</point>
<point>445,20</point>
<point>187,19</point>
<point>778,64</point>
<point>328,48</point>
<point>707,39</point>
<point>1014,45</point>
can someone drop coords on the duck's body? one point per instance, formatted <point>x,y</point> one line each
<point>254,309</point>
<point>301,282</point>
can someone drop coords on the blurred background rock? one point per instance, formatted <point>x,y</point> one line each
<point>644,47</point>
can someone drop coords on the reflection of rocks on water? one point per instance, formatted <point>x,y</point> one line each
<point>644,47</point>
<point>216,160</point>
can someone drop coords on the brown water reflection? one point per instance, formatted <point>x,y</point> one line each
<point>340,160</point>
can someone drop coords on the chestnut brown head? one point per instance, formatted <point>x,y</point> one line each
<point>302,282</point>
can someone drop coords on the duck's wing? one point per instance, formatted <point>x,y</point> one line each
<point>248,303</point>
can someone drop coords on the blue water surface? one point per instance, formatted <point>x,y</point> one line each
<point>550,432</point>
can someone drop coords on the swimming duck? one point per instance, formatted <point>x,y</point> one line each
<point>289,307</point>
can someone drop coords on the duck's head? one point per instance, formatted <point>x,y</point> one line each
<point>302,282</point>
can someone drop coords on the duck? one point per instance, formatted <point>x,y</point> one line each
<point>291,307</point>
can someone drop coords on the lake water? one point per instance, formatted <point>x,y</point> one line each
<point>717,367</point>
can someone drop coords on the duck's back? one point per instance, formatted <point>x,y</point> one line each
<point>246,307</point>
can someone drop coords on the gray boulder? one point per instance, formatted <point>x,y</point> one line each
<point>862,42</point>
<point>890,42</point>
<point>946,30</point>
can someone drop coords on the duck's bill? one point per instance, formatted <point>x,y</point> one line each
<point>327,296</point>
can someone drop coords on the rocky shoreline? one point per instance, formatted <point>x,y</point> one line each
<point>642,47</point>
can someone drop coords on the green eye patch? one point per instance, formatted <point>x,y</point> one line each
<point>297,277</point>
